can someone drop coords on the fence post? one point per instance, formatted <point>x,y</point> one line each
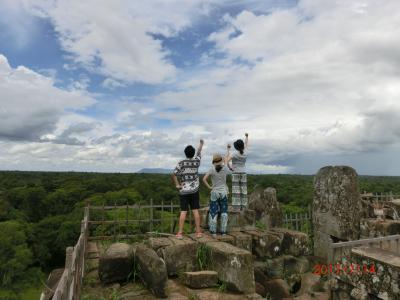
<point>68,268</point>
<point>151,215</point>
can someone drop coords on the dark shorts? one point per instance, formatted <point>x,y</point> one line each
<point>190,200</point>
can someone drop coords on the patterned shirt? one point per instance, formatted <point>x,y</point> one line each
<point>187,171</point>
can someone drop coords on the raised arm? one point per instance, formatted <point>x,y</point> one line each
<point>228,157</point>
<point>200,147</point>
<point>246,140</point>
<point>206,182</point>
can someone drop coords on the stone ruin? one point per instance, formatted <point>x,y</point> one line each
<point>264,261</point>
<point>250,262</point>
<point>341,214</point>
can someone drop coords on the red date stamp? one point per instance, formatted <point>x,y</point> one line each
<point>338,269</point>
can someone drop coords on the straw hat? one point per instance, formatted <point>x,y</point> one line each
<point>217,159</point>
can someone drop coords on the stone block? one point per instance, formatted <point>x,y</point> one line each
<point>152,270</point>
<point>200,279</point>
<point>294,243</point>
<point>266,207</point>
<point>295,265</point>
<point>234,266</point>
<point>180,256</point>
<point>157,243</point>
<point>376,228</point>
<point>116,263</point>
<point>266,244</point>
<point>242,240</point>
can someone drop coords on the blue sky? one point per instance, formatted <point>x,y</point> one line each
<point>124,85</point>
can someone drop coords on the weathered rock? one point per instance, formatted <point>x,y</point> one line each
<point>157,243</point>
<point>266,244</point>
<point>310,283</point>
<point>234,266</point>
<point>266,206</point>
<point>336,206</point>
<point>152,270</point>
<point>260,277</point>
<point>200,279</point>
<point>376,228</point>
<point>242,240</point>
<point>277,289</point>
<point>294,242</point>
<point>260,289</point>
<point>180,256</point>
<point>296,265</point>
<point>381,276</point>
<point>275,267</point>
<point>116,263</point>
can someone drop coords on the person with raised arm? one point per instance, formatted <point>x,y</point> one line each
<point>239,175</point>
<point>186,180</point>
<point>219,194</point>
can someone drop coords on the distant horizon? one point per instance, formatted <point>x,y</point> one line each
<point>116,86</point>
<point>202,172</point>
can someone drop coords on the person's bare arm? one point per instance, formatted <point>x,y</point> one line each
<point>246,140</point>
<point>176,182</point>
<point>200,147</point>
<point>228,157</point>
<point>206,182</point>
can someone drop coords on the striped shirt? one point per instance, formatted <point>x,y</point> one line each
<point>187,171</point>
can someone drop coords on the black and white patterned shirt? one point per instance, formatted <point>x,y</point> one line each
<point>187,171</point>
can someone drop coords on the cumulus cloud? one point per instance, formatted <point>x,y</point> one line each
<point>117,38</point>
<point>30,104</point>
<point>315,77</point>
<point>313,83</point>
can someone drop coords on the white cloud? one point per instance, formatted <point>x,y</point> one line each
<point>30,104</point>
<point>114,38</point>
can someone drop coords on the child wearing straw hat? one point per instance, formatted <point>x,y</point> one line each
<point>219,194</point>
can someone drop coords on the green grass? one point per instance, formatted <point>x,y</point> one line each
<point>31,293</point>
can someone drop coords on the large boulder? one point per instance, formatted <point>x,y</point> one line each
<point>234,266</point>
<point>266,207</point>
<point>336,207</point>
<point>180,256</point>
<point>152,270</point>
<point>116,263</point>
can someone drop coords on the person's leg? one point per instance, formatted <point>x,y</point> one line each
<point>213,214</point>
<point>224,213</point>
<point>184,210</point>
<point>236,203</point>
<point>243,190</point>
<point>182,219</point>
<point>196,216</point>
<point>195,205</point>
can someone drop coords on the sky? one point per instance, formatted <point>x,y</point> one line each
<point>117,86</point>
